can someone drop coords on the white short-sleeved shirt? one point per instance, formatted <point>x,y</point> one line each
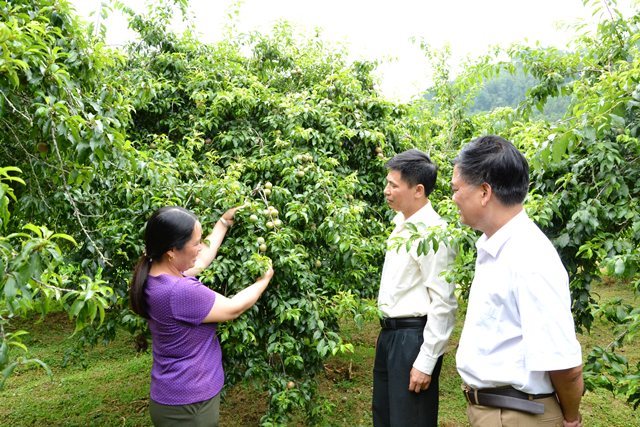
<point>412,286</point>
<point>518,324</point>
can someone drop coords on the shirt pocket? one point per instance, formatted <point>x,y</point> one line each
<point>489,323</point>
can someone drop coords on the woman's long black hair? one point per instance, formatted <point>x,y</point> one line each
<point>169,227</point>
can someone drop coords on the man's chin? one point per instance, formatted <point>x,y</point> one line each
<point>465,222</point>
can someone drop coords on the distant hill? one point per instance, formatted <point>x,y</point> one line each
<point>508,90</point>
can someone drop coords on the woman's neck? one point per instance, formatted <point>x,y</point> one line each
<point>159,267</point>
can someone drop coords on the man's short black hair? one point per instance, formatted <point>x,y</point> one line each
<point>496,161</point>
<point>415,168</point>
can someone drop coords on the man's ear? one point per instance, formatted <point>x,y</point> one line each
<point>487,192</point>
<point>419,191</point>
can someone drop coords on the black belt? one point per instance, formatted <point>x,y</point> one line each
<point>506,397</point>
<point>403,322</point>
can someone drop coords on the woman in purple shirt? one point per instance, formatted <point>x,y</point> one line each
<point>187,374</point>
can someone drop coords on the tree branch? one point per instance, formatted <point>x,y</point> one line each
<point>76,211</point>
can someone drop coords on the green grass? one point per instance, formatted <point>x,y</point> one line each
<point>113,389</point>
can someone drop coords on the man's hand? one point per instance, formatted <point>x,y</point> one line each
<point>569,387</point>
<point>418,381</point>
<point>576,423</point>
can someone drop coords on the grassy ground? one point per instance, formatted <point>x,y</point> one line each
<point>113,389</point>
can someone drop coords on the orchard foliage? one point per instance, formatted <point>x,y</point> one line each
<point>291,130</point>
<point>298,136</point>
<point>52,133</point>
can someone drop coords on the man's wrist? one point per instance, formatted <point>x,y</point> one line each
<point>574,423</point>
<point>225,222</point>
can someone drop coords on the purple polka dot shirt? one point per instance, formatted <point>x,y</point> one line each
<point>187,359</point>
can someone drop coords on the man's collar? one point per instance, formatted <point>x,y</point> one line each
<point>424,214</point>
<point>493,244</point>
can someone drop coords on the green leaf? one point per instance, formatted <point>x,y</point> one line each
<point>34,229</point>
<point>76,307</point>
<point>559,146</point>
<point>10,287</point>
<point>6,373</point>
<point>562,240</point>
<point>65,237</point>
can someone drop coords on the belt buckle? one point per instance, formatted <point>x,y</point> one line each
<point>388,323</point>
<point>468,392</point>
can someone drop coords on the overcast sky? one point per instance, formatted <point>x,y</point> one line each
<point>383,29</point>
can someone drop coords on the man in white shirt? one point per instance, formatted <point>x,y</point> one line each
<point>417,304</point>
<point>518,354</point>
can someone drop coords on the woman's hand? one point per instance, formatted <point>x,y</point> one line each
<point>212,242</point>
<point>267,275</point>
<point>230,308</point>
<point>228,217</point>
